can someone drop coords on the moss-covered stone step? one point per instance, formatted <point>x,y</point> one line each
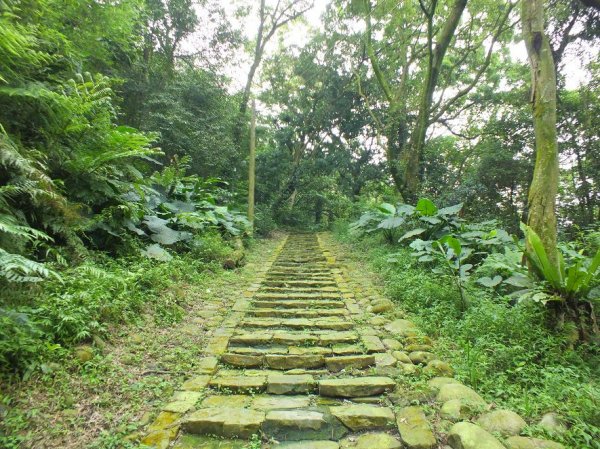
<point>355,387</point>
<point>297,313</point>
<point>292,338</point>
<point>298,290</point>
<point>300,269</point>
<point>298,323</point>
<point>306,444</point>
<point>359,417</point>
<point>224,421</point>
<point>278,274</point>
<point>239,384</point>
<point>301,284</point>
<point>327,351</point>
<point>306,361</point>
<point>303,424</point>
<point>298,304</point>
<point>307,296</point>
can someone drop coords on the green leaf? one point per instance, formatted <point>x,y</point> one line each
<point>452,243</point>
<point>451,210</point>
<point>464,269</point>
<point>426,207</point>
<point>519,280</point>
<point>391,223</point>
<point>386,208</point>
<point>431,220</point>
<point>539,258</point>
<point>412,233</point>
<point>156,252</point>
<point>490,282</point>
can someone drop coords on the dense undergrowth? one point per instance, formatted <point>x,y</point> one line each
<point>96,307</point>
<point>502,348</point>
<point>41,321</point>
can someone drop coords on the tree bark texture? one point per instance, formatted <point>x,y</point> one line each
<point>544,185</point>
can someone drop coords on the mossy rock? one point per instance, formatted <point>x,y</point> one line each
<point>464,435</point>
<point>84,353</point>
<point>505,422</point>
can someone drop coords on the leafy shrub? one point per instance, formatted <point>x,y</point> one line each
<point>502,348</point>
<point>264,223</point>
<point>210,247</point>
<point>424,220</point>
<point>89,299</point>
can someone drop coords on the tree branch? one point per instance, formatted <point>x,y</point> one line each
<point>461,93</point>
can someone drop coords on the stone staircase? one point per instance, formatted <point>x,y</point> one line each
<point>300,363</point>
<point>296,368</point>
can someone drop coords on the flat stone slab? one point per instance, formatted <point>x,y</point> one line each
<point>207,365</point>
<point>286,362</point>
<point>363,416</point>
<point>323,295</point>
<point>299,419</point>
<point>182,402</point>
<point>307,445</point>
<point>298,304</point>
<point>294,338</point>
<point>189,441</point>
<point>258,350</point>
<point>349,362</point>
<point>240,383</point>
<point>304,350</point>
<point>291,384</point>
<point>371,441</point>
<point>372,343</point>
<point>227,401</point>
<point>242,360</point>
<point>355,387</point>
<point>302,424</point>
<point>415,430</point>
<point>226,422</point>
<point>255,338</point>
<point>332,338</point>
<point>197,383</point>
<point>280,402</point>
<point>346,349</point>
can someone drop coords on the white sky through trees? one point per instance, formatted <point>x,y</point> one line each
<point>300,32</point>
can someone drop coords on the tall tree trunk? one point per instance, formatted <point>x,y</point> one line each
<point>403,158</point>
<point>544,185</point>
<point>252,167</point>
<point>412,157</point>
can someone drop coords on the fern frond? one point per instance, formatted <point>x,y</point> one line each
<point>9,225</point>
<point>16,268</point>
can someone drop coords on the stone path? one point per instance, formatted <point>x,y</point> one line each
<point>300,362</point>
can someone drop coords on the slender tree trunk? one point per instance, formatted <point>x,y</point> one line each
<point>412,157</point>
<point>252,167</point>
<point>544,185</point>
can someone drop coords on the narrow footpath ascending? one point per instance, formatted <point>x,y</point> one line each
<point>301,363</point>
